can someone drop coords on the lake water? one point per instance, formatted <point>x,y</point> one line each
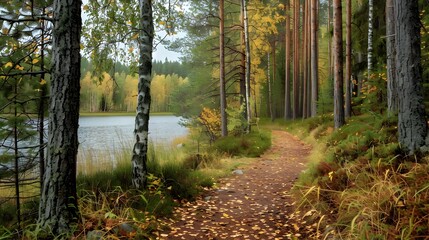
<point>116,132</point>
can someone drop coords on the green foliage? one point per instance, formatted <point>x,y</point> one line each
<point>253,144</point>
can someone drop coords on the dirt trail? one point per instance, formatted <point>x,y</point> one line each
<point>252,205</point>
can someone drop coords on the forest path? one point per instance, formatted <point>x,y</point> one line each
<point>253,205</point>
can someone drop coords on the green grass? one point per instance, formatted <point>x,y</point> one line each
<point>253,144</point>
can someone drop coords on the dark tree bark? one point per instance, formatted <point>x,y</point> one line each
<point>348,76</point>
<point>412,125</point>
<point>392,94</point>
<point>338,66</point>
<point>141,131</point>
<point>288,109</point>
<point>314,58</point>
<point>58,209</point>
<point>222,92</point>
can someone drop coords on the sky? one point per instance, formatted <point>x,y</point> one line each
<point>160,53</point>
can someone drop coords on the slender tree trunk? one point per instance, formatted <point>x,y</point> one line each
<point>370,36</point>
<point>412,125</point>
<point>348,76</point>
<point>141,130</point>
<point>392,94</point>
<point>296,60</point>
<point>308,60</point>
<point>338,66</point>
<point>58,209</point>
<point>314,59</point>
<point>274,79</point>
<point>330,55</point>
<point>288,109</point>
<point>270,97</point>
<point>224,128</point>
<point>305,66</point>
<point>243,67</point>
<point>247,44</point>
<point>42,107</point>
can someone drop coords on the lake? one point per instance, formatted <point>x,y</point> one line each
<point>116,132</point>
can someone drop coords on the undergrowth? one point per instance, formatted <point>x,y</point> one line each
<point>359,178</point>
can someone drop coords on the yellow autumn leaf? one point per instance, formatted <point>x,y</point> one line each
<point>161,23</point>
<point>131,49</point>
<point>19,67</point>
<point>42,82</point>
<point>8,64</point>
<point>81,46</point>
<point>129,22</point>
<point>85,7</point>
<point>135,36</point>
<point>35,61</point>
<point>5,30</point>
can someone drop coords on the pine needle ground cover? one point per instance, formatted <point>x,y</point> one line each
<point>360,182</point>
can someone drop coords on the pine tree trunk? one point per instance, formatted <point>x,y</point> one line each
<point>305,59</point>
<point>348,76</point>
<point>338,66</point>
<point>141,131</point>
<point>392,94</point>
<point>296,60</point>
<point>314,59</point>
<point>288,109</point>
<point>58,209</point>
<point>412,125</point>
<point>222,94</point>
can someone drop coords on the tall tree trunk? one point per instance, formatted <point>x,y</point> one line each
<point>274,79</point>
<point>348,76</point>
<point>247,76</point>
<point>222,94</point>
<point>270,96</point>
<point>370,36</point>
<point>288,32</point>
<point>338,66</point>
<point>243,67</point>
<point>296,60</point>
<point>314,58</point>
<point>392,94</point>
<point>141,130</point>
<point>412,125</point>
<point>305,59</point>
<point>58,209</point>
<point>330,65</point>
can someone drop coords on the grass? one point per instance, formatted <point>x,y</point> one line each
<point>360,179</point>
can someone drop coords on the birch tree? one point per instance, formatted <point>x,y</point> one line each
<point>58,209</point>
<point>141,131</point>
<point>370,35</point>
